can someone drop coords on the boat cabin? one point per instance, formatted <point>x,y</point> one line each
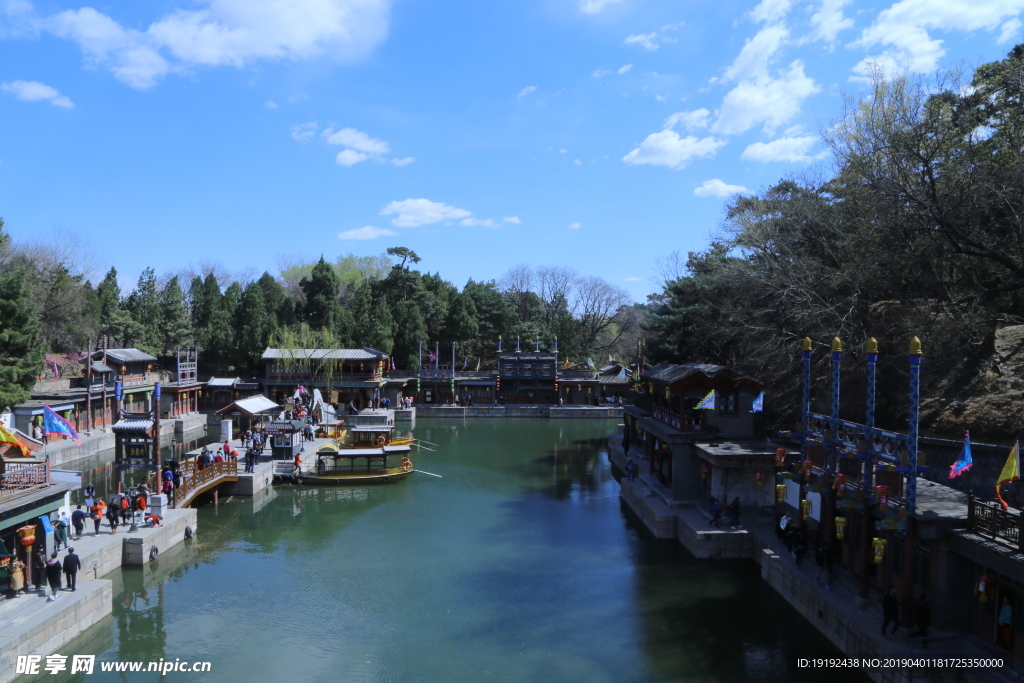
<point>333,461</point>
<point>370,436</point>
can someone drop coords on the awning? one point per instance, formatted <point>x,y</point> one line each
<point>254,405</point>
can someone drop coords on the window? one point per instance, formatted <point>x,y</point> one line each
<point>730,404</point>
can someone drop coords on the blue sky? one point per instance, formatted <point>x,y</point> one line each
<point>598,134</point>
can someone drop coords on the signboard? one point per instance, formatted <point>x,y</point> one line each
<point>815,499</point>
<point>137,462</point>
<point>47,529</point>
<point>793,494</point>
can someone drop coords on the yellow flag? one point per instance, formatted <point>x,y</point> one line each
<point>1011,472</point>
<point>7,437</point>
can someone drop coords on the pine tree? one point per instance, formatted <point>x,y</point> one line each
<point>374,324</point>
<point>174,327</point>
<point>21,348</point>
<point>460,325</point>
<point>253,326</point>
<point>323,307</point>
<point>410,330</point>
<point>143,305</point>
<point>108,295</point>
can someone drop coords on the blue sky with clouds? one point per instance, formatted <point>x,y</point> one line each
<point>598,134</point>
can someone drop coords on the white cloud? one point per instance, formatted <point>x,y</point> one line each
<point>270,104</point>
<point>357,140</point>
<point>1010,30</point>
<point>794,149</point>
<point>304,132</point>
<point>624,69</point>
<point>350,157</point>
<point>770,11</point>
<point>828,21</point>
<point>563,151</point>
<point>753,59</point>
<point>366,233</point>
<point>668,149</point>
<point>412,213</point>
<point>577,162</point>
<point>631,279</point>
<point>601,73</point>
<point>404,161</point>
<point>511,219</point>
<point>595,6</point>
<point>33,91</point>
<point>648,41</point>
<point>526,91</point>
<point>905,27</point>
<point>773,101</point>
<point>575,226</point>
<point>482,222</point>
<point>717,188</point>
<point>689,120</point>
<point>224,33</point>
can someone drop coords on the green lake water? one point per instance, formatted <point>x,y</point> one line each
<point>520,564</point>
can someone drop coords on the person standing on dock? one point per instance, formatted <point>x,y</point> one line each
<point>53,576</point>
<point>297,465</point>
<point>716,512</point>
<point>60,531</point>
<point>113,515</point>
<point>630,469</point>
<point>90,495</point>
<point>97,516</point>
<point>734,514</point>
<point>890,610</point>
<point>78,521</point>
<point>72,563</point>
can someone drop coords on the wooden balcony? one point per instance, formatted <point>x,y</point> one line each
<point>19,479</point>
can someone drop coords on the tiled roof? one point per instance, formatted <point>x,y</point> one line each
<point>125,355</point>
<point>670,373</point>
<point>222,382</point>
<point>252,405</point>
<point>365,353</point>
<point>97,366</point>
<point>132,425</point>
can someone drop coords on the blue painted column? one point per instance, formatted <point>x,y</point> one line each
<point>869,420</point>
<point>805,399</point>
<point>915,404</point>
<point>837,359</point>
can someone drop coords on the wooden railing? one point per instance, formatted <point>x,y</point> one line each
<point>992,521</point>
<point>23,478</point>
<point>194,479</point>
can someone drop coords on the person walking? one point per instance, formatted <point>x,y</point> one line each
<point>823,558</point>
<point>60,531</point>
<point>169,489</point>
<point>716,512</point>
<point>53,576</point>
<point>630,469</point>
<point>890,610</point>
<point>1005,623</point>
<point>97,516</point>
<point>114,515</point>
<point>78,521</point>
<point>297,465</point>
<point>923,619</point>
<point>734,512</point>
<point>71,565</point>
<point>799,546</point>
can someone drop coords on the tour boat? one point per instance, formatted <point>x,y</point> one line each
<point>362,459</point>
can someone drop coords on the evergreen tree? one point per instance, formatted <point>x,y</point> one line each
<point>175,330</point>
<point>21,347</point>
<point>211,322</point>
<point>108,295</point>
<point>461,324</point>
<point>253,325</point>
<point>143,305</point>
<point>322,309</point>
<point>410,330</point>
<point>373,322</point>
<point>279,306</point>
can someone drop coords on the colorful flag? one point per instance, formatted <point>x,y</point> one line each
<point>478,365</point>
<point>465,363</point>
<point>622,374</point>
<point>7,437</point>
<point>393,363</point>
<point>964,462</point>
<point>55,424</point>
<point>758,406</point>
<point>1011,472</point>
<point>707,403</point>
<point>590,363</point>
<point>433,357</point>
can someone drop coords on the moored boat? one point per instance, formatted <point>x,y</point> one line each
<point>370,455</point>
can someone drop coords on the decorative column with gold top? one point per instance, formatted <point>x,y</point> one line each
<point>837,359</point>
<point>915,404</point>
<point>869,418</point>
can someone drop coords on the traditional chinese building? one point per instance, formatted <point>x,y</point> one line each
<point>341,375</point>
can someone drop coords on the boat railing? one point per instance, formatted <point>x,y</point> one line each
<point>373,466</point>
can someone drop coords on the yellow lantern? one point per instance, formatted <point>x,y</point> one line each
<point>840,528</point>
<point>878,549</point>
<point>780,492</point>
<point>805,507</point>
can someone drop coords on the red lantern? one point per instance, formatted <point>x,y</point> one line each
<point>780,457</point>
<point>808,465</point>
<point>840,483</point>
<point>882,495</point>
<point>760,477</point>
<point>984,588</point>
<point>27,535</point>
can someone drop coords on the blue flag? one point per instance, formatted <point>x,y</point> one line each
<point>55,424</point>
<point>964,462</point>
<point>707,403</point>
<point>758,405</point>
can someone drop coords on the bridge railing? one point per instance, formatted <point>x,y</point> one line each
<point>197,479</point>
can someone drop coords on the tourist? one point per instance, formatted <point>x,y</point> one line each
<point>60,531</point>
<point>1005,623</point>
<point>39,567</point>
<point>297,465</point>
<point>113,515</point>
<point>630,469</point>
<point>890,610</point>
<point>71,566</point>
<point>823,558</point>
<point>78,521</point>
<point>716,512</point>
<point>798,546</point>
<point>96,512</point>
<point>169,490</point>
<point>219,458</point>
<point>246,438</point>
<point>90,495</point>
<point>53,576</point>
<point>923,619</point>
<point>734,512</point>
<point>152,520</point>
